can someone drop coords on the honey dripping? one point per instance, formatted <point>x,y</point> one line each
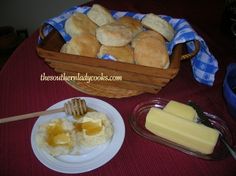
<point>56,135</point>
<point>78,116</point>
<point>91,128</point>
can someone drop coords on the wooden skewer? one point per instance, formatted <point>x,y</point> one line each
<point>73,107</point>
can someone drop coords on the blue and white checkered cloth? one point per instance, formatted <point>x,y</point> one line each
<point>204,64</point>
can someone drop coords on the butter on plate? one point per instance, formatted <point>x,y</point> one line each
<point>93,129</point>
<point>194,136</point>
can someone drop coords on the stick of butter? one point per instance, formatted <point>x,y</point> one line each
<point>196,137</point>
<point>181,110</point>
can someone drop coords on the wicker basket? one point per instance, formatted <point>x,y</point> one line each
<point>136,79</point>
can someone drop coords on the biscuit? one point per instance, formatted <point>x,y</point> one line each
<point>122,54</point>
<point>49,139</point>
<point>147,33</point>
<point>84,44</point>
<point>114,34</point>
<point>149,51</point>
<point>100,15</point>
<point>79,23</point>
<point>157,24</point>
<point>135,25</point>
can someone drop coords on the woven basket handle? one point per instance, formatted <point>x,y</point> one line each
<point>192,54</point>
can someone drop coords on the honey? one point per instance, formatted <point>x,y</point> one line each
<point>78,116</point>
<point>91,128</point>
<point>63,136</point>
<point>56,135</point>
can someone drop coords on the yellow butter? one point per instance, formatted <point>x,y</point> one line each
<point>62,139</point>
<point>196,137</point>
<point>181,110</point>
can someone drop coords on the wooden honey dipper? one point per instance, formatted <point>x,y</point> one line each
<point>74,107</point>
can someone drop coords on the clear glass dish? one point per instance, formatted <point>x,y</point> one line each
<point>138,118</point>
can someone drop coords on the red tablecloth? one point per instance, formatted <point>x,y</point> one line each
<point>21,91</point>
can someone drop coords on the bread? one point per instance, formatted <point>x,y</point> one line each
<point>151,51</point>
<point>79,23</point>
<point>122,54</point>
<point>100,15</point>
<point>114,34</point>
<point>147,33</point>
<point>135,25</point>
<point>84,44</point>
<point>157,24</point>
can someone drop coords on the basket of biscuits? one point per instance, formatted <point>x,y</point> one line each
<point>120,54</point>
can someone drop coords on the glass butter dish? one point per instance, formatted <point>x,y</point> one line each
<point>138,118</point>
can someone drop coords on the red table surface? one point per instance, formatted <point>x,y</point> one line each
<point>21,91</point>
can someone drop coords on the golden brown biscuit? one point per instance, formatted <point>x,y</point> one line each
<point>84,44</point>
<point>114,34</point>
<point>100,15</point>
<point>157,24</point>
<point>122,54</point>
<point>145,34</point>
<point>79,23</point>
<point>150,51</point>
<point>135,25</point>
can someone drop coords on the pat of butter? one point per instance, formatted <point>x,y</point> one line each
<point>61,139</point>
<point>90,126</point>
<point>182,110</point>
<point>93,120</point>
<point>196,137</point>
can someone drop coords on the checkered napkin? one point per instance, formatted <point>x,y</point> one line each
<point>204,64</point>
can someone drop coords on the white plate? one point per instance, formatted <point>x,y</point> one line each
<point>88,159</point>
